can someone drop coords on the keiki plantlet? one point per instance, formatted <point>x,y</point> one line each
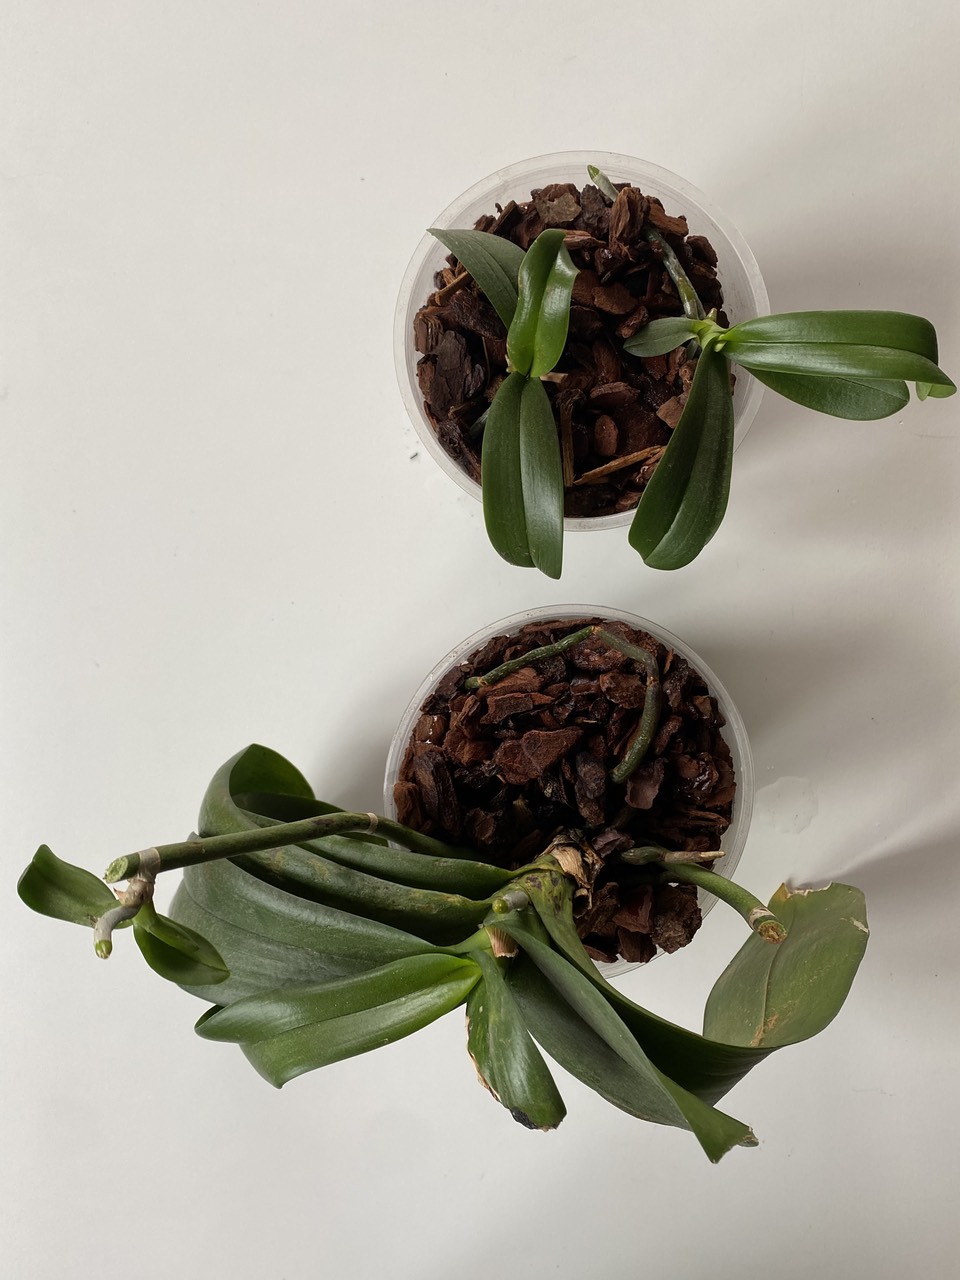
<point>314,940</point>
<point>848,364</point>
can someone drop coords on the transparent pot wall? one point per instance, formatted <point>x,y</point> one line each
<point>744,293</point>
<point>734,733</point>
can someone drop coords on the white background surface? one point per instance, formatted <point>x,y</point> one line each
<point>215,531</point>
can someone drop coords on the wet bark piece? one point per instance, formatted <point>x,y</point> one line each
<point>516,762</point>
<point>621,286</point>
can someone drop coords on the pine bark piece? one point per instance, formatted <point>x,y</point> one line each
<point>620,287</point>
<point>508,767</point>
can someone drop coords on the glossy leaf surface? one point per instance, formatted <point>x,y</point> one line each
<point>768,997</point>
<point>685,500</point>
<point>541,477</point>
<point>579,1050</point>
<point>62,891</point>
<point>504,1054</point>
<point>937,390</point>
<point>857,399</point>
<point>834,360</point>
<point>286,1033</point>
<point>176,952</point>
<point>652,1095</point>
<point>442,917</point>
<point>501,477</point>
<point>416,870</point>
<point>705,1067</point>
<point>893,329</point>
<point>660,336</point>
<point>267,935</point>
<point>536,337</point>
<point>494,263</point>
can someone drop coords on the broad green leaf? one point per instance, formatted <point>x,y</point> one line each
<point>500,475</point>
<point>541,475</point>
<point>494,263</point>
<point>64,892</point>
<point>682,506</point>
<point>705,1067</point>
<point>443,917</point>
<point>507,1060</point>
<point>538,332</point>
<point>660,336</point>
<point>268,936</point>
<point>553,321</point>
<point>287,1032</point>
<point>579,1050</point>
<point>377,858</point>
<point>773,996</point>
<point>833,360</point>
<point>937,390</point>
<point>659,1098</point>
<point>893,329</point>
<point>175,952</point>
<point>254,769</point>
<point>860,399</point>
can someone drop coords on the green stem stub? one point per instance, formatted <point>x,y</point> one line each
<point>760,918</point>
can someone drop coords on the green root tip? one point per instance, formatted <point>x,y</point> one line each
<point>103,948</point>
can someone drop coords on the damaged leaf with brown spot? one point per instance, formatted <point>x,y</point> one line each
<point>768,997</point>
<point>508,1062</point>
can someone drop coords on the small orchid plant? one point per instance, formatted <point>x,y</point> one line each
<point>849,364</point>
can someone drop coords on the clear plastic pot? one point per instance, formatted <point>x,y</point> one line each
<point>734,732</point>
<point>745,295</point>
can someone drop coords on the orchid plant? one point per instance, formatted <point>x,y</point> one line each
<point>849,364</point>
<point>312,939</point>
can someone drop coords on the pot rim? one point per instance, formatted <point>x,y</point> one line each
<point>735,259</point>
<point>734,732</point>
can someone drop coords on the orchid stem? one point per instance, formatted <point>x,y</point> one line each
<point>760,918</point>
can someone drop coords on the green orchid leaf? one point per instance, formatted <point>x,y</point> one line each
<point>503,511</point>
<point>661,336</point>
<point>541,477</point>
<point>860,399</point>
<point>826,937</point>
<point>494,263</point>
<point>579,993</point>
<point>538,332</point>
<point>893,329</point>
<point>254,769</point>
<point>938,391</point>
<point>586,1055</point>
<point>683,504</point>
<point>417,870</point>
<point>659,1098</point>
<point>706,1068</point>
<point>508,1062</point>
<point>834,360</point>
<point>768,996</point>
<point>62,891</point>
<point>285,1033</point>
<point>175,952</point>
<point>443,917</point>
<point>267,935</point>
